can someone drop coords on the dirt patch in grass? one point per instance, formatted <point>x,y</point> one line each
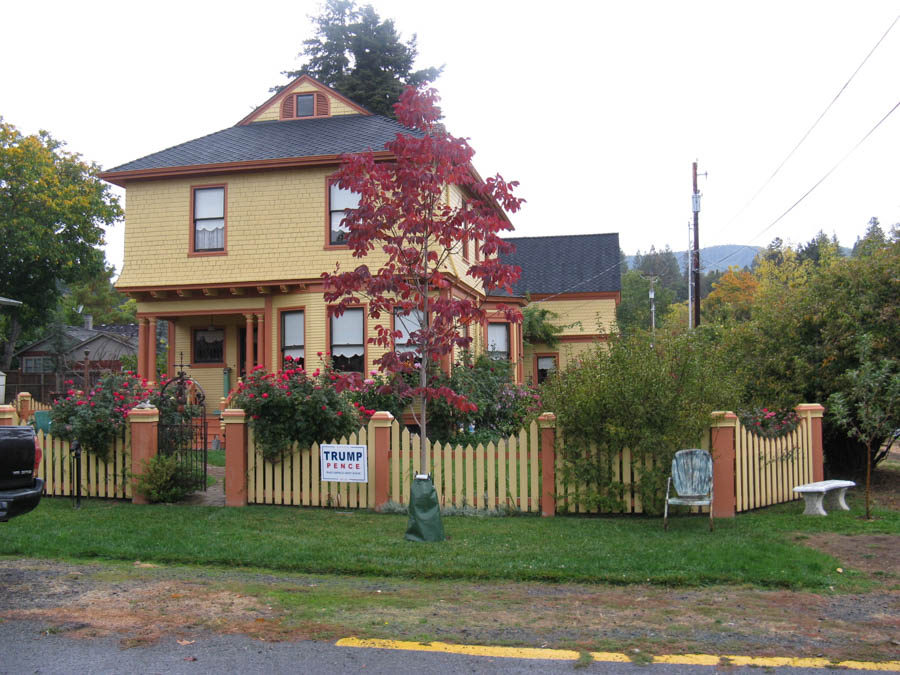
<point>878,555</point>
<point>145,604</point>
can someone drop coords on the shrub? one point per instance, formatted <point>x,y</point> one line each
<point>164,479</point>
<point>503,407</point>
<point>293,406</point>
<point>379,392</point>
<point>96,417</point>
<point>652,397</point>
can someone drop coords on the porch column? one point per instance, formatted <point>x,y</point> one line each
<point>248,354</point>
<point>142,348</point>
<point>151,350</point>
<point>260,339</point>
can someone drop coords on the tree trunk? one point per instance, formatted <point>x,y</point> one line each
<point>868,477</point>
<point>15,329</point>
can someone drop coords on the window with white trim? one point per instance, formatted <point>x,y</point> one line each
<point>348,341</point>
<point>339,201</point>
<point>209,219</point>
<point>293,337</point>
<point>498,341</point>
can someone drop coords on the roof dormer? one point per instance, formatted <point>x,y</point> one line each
<point>304,98</point>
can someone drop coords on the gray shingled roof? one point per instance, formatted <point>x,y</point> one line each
<point>277,140</point>
<point>582,263</point>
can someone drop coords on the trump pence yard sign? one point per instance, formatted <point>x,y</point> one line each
<point>344,463</point>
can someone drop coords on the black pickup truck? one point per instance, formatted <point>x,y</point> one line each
<point>20,455</point>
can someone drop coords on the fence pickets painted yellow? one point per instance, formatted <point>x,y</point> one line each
<point>294,479</point>
<point>767,470</point>
<point>99,478</point>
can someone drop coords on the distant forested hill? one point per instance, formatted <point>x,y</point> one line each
<point>717,257</point>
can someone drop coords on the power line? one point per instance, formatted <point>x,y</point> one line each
<point>817,184</point>
<point>809,131</point>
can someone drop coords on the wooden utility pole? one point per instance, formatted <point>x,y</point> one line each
<point>695,256</point>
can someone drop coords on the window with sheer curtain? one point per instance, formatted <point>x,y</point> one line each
<point>406,324</point>
<point>292,337</point>
<point>348,341</point>
<point>209,219</point>
<point>339,200</point>
<point>498,341</point>
<point>209,345</point>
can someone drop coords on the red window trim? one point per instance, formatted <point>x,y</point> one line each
<point>192,251</point>
<point>540,355</point>
<point>281,311</point>
<point>329,181</point>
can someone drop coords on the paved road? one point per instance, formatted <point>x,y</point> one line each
<point>26,647</point>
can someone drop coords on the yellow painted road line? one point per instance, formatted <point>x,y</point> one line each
<point>615,657</point>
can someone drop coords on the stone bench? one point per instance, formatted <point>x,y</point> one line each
<point>815,493</point>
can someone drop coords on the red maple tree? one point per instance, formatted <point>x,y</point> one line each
<point>404,211</point>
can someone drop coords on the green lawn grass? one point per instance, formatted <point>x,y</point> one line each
<point>761,549</point>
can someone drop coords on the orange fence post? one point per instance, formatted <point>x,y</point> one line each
<point>813,412</point>
<point>8,415</point>
<point>382,421</point>
<point>234,425</point>
<point>723,429</point>
<point>144,439</point>
<point>24,405</point>
<point>547,424</point>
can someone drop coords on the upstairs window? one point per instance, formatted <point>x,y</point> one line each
<point>348,353</point>
<point>498,341</point>
<point>339,201</point>
<point>292,337</point>
<point>309,104</point>
<point>209,219</point>
<point>407,324</point>
<point>305,105</point>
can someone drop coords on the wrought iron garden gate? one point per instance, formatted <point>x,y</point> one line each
<point>183,429</point>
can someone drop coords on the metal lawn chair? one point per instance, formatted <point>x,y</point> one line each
<point>692,474</point>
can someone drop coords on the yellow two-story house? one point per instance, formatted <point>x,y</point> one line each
<point>578,279</point>
<point>226,237</point>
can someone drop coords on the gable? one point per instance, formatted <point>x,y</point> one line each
<point>324,102</point>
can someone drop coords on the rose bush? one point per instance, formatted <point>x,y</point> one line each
<point>96,417</point>
<point>769,423</point>
<point>294,406</point>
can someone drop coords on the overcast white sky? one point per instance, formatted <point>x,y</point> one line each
<point>597,108</point>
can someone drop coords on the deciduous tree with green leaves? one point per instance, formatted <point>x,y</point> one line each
<point>868,405</point>
<point>52,212</point>
<point>361,56</point>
